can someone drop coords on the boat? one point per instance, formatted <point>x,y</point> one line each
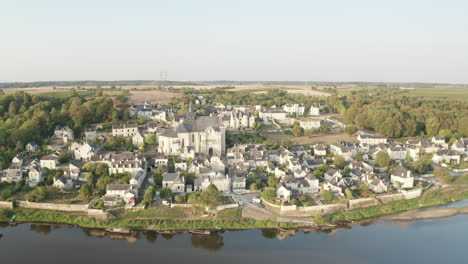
<point>12,221</point>
<point>119,230</point>
<point>165,232</point>
<point>200,232</point>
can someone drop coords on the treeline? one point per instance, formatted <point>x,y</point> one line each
<point>393,115</point>
<point>89,83</point>
<point>25,118</point>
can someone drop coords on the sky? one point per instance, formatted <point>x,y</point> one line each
<point>243,40</point>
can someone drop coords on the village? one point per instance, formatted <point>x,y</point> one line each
<point>171,156</point>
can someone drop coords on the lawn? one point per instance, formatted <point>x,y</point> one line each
<point>441,93</point>
<point>230,213</point>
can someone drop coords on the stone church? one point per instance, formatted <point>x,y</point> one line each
<point>198,134</point>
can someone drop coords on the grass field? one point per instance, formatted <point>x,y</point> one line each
<point>66,94</point>
<point>442,93</point>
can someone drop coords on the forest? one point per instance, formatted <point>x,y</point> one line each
<point>25,118</point>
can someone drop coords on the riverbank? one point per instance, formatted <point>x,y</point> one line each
<point>26,215</point>
<point>397,210</point>
<point>432,197</point>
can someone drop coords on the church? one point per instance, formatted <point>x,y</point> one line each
<point>194,134</point>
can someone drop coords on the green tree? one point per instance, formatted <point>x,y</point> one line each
<point>150,139</point>
<point>148,197</point>
<point>272,181</point>
<point>358,156</point>
<point>327,195</point>
<point>339,162</point>
<point>165,193</point>
<point>102,182</point>
<point>382,159</point>
<point>269,195</point>
<point>350,130</point>
<point>86,191</point>
<point>297,130</point>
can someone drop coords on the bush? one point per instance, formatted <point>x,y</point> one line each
<point>180,198</point>
<point>269,195</point>
<point>165,193</point>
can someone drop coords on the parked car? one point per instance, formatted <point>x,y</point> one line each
<point>255,200</point>
<point>165,202</point>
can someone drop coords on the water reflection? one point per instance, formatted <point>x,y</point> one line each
<point>151,236</point>
<point>41,229</point>
<point>213,242</point>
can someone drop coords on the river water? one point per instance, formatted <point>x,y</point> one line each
<point>443,240</point>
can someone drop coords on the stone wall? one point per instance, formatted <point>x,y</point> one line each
<point>8,205</point>
<point>362,202</point>
<point>293,210</point>
<point>386,198</point>
<point>52,206</point>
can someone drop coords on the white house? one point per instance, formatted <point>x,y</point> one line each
<point>447,156</point>
<point>402,178</point>
<point>31,147</point>
<point>174,181</point>
<point>282,193</point>
<point>138,140</point>
<point>312,124</point>
<point>314,111</point>
<point>297,109</point>
<point>370,139</point>
<point>50,161</point>
<point>397,153</point>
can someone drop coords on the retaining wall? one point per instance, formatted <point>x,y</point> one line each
<point>52,206</point>
<point>8,205</point>
<point>362,202</point>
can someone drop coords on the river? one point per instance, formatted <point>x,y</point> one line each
<point>442,240</point>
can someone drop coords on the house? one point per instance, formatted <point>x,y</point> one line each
<point>333,187</point>
<point>125,130</point>
<point>90,133</point>
<point>35,175</point>
<point>447,156</point>
<point>371,139</point>
<point>238,184</point>
<point>331,174</point>
<point>438,140</point>
<point>397,153</point>
<point>314,111</point>
<point>313,163</point>
<point>85,151</point>
<point>402,178</point>
<point>138,140</point>
<point>283,194</point>
<point>297,109</point>
<point>376,185</point>
<point>320,150</point>
<point>174,181</point>
<point>31,147</point>
<point>461,146</point>
<point>50,162</point>
<point>116,193</point>
<point>64,183</point>
<point>63,134</point>
<point>311,124</point>
<point>268,114</point>
<point>14,173</point>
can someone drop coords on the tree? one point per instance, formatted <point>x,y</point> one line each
<point>272,181</point>
<point>339,162</point>
<point>297,130</point>
<point>269,195</point>
<point>90,179</point>
<point>158,175</point>
<point>103,182</point>
<point>86,191</point>
<point>349,194</point>
<point>382,159</point>
<point>327,195</point>
<point>150,139</point>
<point>63,157</point>
<point>148,197</point>
<point>165,193</point>
<point>358,156</point>
<point>350,130</point>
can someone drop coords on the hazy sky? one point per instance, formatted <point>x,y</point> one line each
<point>332,40</point>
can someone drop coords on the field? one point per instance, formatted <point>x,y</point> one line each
<point>442,93</point>
<point>154,96</point>
<point>322,139</point>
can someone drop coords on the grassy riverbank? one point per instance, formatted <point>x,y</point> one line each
<point>429,198</point>
<point>46,216</point>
